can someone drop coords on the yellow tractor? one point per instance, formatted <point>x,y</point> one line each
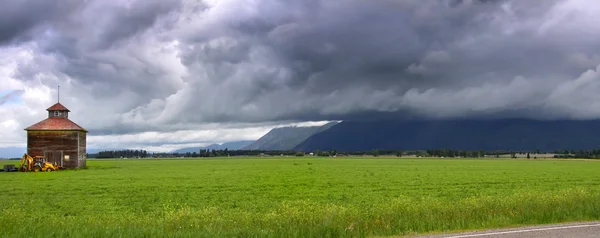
<point>37,164</point>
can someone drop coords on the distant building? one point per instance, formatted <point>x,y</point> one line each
<point>58,139</point>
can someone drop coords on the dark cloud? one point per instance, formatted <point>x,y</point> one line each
<point>19,19</point>
<point>125,22</point>
<point>175,65</point>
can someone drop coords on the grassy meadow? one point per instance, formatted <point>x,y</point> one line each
<point>295,197</point>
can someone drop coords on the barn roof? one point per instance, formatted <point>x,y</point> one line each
<point>55,124</point>
<point>57,107</point>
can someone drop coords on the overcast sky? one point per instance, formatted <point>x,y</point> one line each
<point>164,74</point>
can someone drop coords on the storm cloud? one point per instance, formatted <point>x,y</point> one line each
<point>128,67</point>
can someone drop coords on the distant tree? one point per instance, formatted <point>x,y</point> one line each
<point>299,154</point>
<point>528,156</point>
<point>375,153</point>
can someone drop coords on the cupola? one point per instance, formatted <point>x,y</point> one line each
<point>58,111</point>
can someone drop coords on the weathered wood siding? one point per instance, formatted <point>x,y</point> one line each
<point>82,149</point>
<point>56,145</point>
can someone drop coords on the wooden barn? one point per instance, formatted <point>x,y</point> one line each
<point>58,139</point>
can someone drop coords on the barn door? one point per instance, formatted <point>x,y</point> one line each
<point>54,157</point>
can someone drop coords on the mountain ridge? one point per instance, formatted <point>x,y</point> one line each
<point>234,145</point>
<point>286,138</point>
<point>467,134</point>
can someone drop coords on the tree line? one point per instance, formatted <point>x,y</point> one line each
<point>586,154</point>
<point>203,153</point>
<point>119,154</point>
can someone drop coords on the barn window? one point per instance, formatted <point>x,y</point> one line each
<point>67,157</point>
<point>56,113</point>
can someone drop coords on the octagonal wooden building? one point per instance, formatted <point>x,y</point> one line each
<point>57,138</point>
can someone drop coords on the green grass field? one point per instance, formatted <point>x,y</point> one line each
<point>295,197</point>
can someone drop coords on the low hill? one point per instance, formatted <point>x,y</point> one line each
<point>236,145</point>
<point>489,135</point>
<point>286,138</point>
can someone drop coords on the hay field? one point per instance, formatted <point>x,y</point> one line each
<point>295,197</point>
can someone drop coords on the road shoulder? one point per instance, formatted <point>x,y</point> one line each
<point>572,229</point>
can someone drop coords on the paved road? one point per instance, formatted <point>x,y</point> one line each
<point>583,230</point>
